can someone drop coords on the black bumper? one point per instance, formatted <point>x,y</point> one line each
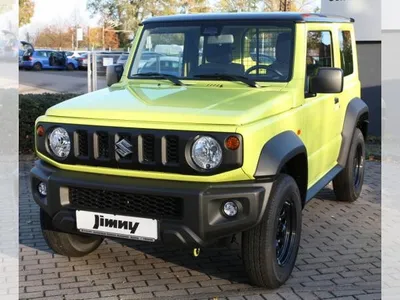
<point>201,222</point>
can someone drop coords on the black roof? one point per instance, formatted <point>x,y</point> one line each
<point>268,16</point>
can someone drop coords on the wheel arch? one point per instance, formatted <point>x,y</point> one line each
<point>284,153</point>
<point>357,116</point>
<point>38,63</point>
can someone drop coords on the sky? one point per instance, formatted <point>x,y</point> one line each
<point>59,11</point>
<point>50,12</point>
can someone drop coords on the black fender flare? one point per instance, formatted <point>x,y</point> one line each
<point>355,109</point>
<point>277,152</point>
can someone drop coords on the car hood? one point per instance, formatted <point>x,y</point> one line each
<point>177,104</point>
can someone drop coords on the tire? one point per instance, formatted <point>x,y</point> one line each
<point>37,67</point>
<point>67,244</point>
<point>70,67</point>
<point>348,183</point>
<point>267,258</point>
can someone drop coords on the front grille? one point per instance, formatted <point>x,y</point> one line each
<point>160,207</point>
<point>145,149</point>
<point>139,149</point>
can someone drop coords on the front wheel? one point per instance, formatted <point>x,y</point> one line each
<point>270,249</point>
<point>72,245</point>
<point>70,67</point>
<point>348,183</point>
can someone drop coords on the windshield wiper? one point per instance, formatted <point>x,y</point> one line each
<point>172,78</point>
<point>229,77</point>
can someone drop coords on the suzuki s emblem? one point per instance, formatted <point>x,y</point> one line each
<point>123,148</point>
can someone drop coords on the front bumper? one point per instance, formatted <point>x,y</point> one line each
<point>201,223</point>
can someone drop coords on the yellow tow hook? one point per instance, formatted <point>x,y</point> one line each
<point>196,252</point>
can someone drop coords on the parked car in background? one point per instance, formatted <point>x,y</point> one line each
<point>47,59</point>
<point>23,47</point>
<point>171,65</point>
<point>123,58</point>
<point>75,54</point>
<point>101,59</point>
<point>147,55</point>
<point>82,61</point>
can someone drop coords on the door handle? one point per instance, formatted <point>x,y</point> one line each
<point>336,100</point>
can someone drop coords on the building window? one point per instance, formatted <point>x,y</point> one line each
<point>346,52</point>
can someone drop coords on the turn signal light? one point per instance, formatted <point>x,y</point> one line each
<point>40,130</point>
<point>232,143</point>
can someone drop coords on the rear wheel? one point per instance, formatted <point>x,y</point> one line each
<point>348,183</point>
<point>37,67</point>
<point>67,244</point>
<point>70,67</point>
<point>270,249</point>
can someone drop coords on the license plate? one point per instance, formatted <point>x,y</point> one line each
<point>117,226</point>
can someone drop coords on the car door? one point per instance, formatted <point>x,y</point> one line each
<point>51,59</point>
<point>42,57</point>
<point>322,113</point>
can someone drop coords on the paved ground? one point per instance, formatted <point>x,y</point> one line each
<point>55,81</point>
<point>339,259</point>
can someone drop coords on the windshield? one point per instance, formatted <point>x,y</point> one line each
<point>261,52</point>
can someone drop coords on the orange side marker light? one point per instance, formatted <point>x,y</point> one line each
<point>232,143</point>
<point>40,130</point>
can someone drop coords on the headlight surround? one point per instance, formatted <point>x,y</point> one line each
<point>60,142</point>
<point>206,153</point>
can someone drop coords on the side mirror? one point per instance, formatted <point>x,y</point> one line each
<point>327,81</point>
<point>114,73</point>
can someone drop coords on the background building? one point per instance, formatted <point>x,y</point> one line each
<point>367,15</point>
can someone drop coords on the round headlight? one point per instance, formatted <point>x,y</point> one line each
<point>60,142</point>
<point>206,153</point>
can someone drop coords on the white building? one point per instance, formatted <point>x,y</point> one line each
<point>367,16</point>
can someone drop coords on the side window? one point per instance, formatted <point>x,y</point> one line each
<point>346,52</point>
<point>319,50</point>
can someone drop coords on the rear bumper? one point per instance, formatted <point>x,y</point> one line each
<point>27,64</point>
<point>201,223</point>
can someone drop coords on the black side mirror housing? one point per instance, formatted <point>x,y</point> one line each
<point>114,73</point>
<point>327,81</point>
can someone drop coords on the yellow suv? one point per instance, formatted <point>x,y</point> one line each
<point>219,126</point>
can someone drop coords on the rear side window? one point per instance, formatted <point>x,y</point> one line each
<point>41,54</point>
<point>346,52</point>
<point>319,50</point>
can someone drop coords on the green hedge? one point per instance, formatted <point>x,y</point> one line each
<point>32,106</point>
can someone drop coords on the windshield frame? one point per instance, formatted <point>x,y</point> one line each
<point>283,23</point>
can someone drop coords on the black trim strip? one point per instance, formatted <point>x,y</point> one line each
<point>368,42</point>
<point>323,182</point>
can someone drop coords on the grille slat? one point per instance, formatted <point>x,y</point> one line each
<point>160,207</point>
<point>172,149</point>
<point>103,144</point>
<point>83,143</point>
<point>148,148</point>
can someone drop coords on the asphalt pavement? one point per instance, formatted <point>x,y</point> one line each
<point>56,82</point>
